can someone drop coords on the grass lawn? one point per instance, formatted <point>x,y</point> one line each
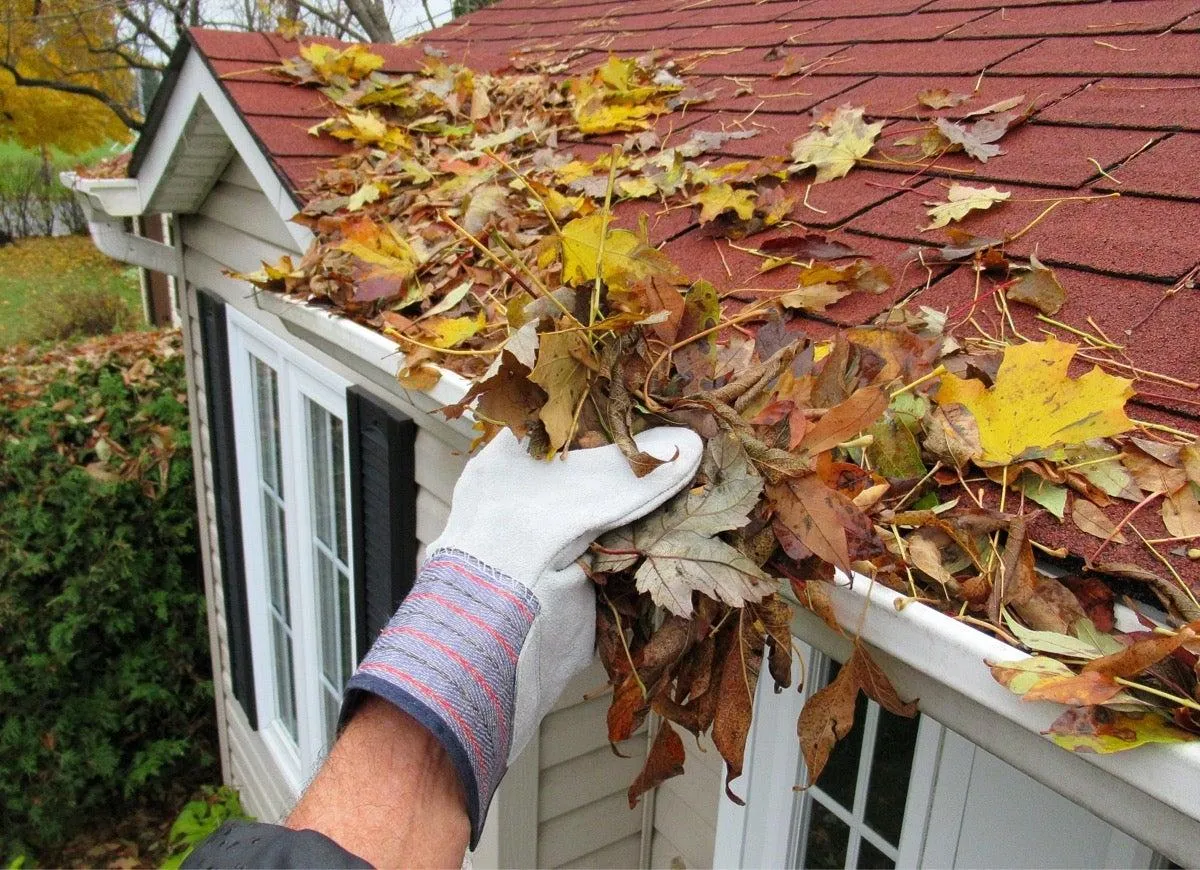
<point>31,270</point>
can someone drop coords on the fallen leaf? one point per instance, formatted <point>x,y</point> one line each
<point>845,420</point>
<point>1181,513</point>
<point>978,139</point>
<point>735,705</point>
<point>1034,406</point>
<point>664,761</point>
<point>1104,731</point>
<point>1076,690</point>
<point>961,200</point>
<point>818,516</point>
<point>1038,286</point>
<point>941,98</point>
<point>1051,496</point>
<point>678,544</point>
<point>829,714</point>
<point>562,374</point>
<point>1023,674</point>
<point>836,144</point>
<point>623,259</point>
<point>815,298</point>
<point>1141,654</point>
<point>810,246</point>
<point>716,199</point>
<point>449,332</point>
<point>1090,519</point>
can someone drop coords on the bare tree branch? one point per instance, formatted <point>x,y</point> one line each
<point>372,17</point>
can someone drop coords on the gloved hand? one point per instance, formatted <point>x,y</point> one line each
<point>501,615</point>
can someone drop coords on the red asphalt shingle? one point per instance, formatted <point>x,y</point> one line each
<point>1109,82</point>
<point>1171,167</point>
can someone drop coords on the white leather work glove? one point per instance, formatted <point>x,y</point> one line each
<point>501,615</point>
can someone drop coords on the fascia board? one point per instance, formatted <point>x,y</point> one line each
<point>1152,792</point>
<point>197,82</point>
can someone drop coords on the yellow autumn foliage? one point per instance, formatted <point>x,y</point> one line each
<point>53,47</point>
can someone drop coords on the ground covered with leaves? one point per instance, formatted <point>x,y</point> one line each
<point>51,284</point>
<point>463,225</point>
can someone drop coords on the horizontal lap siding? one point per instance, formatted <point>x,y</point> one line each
<point>583,812</point>
<point>685,809</point>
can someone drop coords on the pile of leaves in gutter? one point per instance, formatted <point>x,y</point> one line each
<point>461,225</point>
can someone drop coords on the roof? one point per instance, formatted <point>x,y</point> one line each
<point>1115,85</point>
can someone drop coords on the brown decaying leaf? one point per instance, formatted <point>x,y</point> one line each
<point>1090,519</point>
<point>735,705</point>
<point>1089,687</point>
<point>1141,654</point>
<point>664,761</point>
<point>842,422</point>
<point>829,714</point>
<point>817,515</point>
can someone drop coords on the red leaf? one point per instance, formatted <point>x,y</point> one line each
<point>664,761</point>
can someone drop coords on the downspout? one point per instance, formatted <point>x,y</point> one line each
<point>107,203</point>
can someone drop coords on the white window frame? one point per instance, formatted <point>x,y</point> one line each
<point>764,833</point>
<point>299,379</point>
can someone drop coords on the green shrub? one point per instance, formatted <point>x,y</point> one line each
<point>104,681</point>
<point>82,311</point>
<point>199,818</point>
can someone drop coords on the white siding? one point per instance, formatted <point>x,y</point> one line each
<point>583,812</point>
<point>685,809</point>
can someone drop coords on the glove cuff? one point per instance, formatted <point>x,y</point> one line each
<point>448,658</point>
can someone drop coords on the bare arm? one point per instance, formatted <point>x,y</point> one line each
<point>388,793</point>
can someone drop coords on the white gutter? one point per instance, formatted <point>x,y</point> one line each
<point>106,204</point>
<point>1152,792</point>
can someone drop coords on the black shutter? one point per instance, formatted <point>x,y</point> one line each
<point>383,498</point>
<point>215,339</point>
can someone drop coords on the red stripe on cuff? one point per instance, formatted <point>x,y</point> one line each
<point>499,638</point>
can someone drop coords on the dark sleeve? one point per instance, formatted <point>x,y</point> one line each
<point>253,844</point>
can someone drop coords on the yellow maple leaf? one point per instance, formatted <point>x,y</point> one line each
<point>448,332</point>
<point>717,199</point>
<point>961,201</point>
<point>837,143</point>
<point>354,62</point>
<point>625,257</point>
<point>1034,406</point>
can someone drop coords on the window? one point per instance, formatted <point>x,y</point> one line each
<point>291,443</point>
<point>898,792</point>
<point>853,816</point>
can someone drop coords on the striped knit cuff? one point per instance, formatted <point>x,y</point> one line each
<point>448,658</point>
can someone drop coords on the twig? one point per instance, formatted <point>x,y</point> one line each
<point>1091,560</point>
<point>625,646</point>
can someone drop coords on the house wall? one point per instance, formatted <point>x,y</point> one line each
<point>569,783</point>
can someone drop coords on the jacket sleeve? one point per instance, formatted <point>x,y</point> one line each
<point>253,844</point>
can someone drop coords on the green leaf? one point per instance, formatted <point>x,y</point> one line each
<point>1052,642</point>
<point>1051,496</point>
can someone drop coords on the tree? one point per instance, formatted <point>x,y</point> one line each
<point>69,69</point>
<point>55,90</point>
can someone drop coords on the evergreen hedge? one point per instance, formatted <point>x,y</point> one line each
<point>105,689</point>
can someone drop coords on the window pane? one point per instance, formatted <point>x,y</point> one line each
<point>895,742</point>
<point>339,486</point>
<point>318,450</point>
<point>277,580</point>
<point>285,689</point>
<point>347,632</point>
<point>840,776</point>
<point>870,858</point>
<point>827,839</point>
<point>266,401</point>
<point>327,597</point>
<point>331,706</point>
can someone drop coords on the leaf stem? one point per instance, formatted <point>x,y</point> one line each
<point>1140,687</point>
<point>929,376</point>
<point>625,646</point>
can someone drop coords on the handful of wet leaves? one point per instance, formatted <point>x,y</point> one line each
<point>462,224</point>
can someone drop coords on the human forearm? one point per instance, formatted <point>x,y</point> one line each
<point>388,793</point>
